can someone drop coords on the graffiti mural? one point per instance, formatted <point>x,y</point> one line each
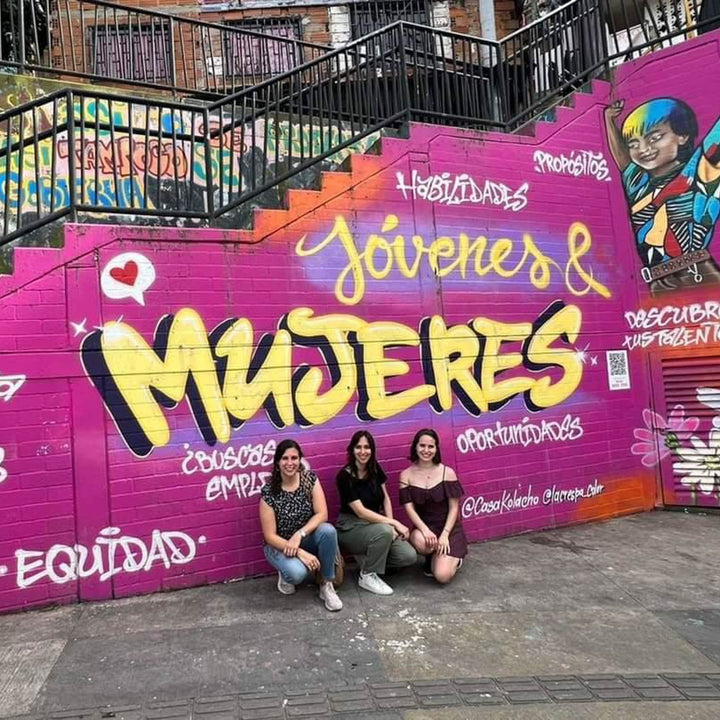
<point>227,380</point>
<point>160,164</point>
<point>672,187</point>
<point>432,284</point>
<point>664,142</point>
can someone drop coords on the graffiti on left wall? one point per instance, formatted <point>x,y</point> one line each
<point>111,553</point>
<point>131,157</point>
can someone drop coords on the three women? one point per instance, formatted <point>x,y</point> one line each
<point>299,540</point>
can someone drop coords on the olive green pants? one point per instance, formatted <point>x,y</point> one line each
<point>374,544</point>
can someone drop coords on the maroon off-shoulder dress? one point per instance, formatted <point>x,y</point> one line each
<point>432,506</point>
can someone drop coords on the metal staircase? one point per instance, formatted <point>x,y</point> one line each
<point>128,46</point>
<point>92,154</point>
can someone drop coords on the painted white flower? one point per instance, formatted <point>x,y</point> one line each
<point>701,463</point>
<point>711,398</point>
<point>3,471</point>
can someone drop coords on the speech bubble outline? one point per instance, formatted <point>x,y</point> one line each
<point>128,275</point>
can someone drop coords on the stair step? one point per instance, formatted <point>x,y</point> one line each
<point>267,221</point>
<point>335,182</point>
<point>299,201</point>
<point>363,166</point>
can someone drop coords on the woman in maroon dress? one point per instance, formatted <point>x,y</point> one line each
<point>431,492</point>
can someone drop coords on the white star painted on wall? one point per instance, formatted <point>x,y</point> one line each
<point>79,328</point>
<point>582,355</point>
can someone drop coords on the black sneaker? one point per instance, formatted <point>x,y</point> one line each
<point>427,567</point>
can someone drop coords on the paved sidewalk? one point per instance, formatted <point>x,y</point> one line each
<point>610,620</point>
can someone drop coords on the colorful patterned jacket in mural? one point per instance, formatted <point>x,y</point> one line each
<point>677,212</point>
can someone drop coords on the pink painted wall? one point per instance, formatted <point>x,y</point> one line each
<point>86,446</point>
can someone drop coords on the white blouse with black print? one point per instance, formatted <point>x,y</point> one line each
<point>292,509</point>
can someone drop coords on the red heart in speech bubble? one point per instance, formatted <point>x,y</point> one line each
<point>126,274</point>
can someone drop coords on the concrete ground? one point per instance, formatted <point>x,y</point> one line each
<point>609,620</point>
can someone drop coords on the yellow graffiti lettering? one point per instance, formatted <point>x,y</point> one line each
<point>137,371</point>
<point>313,406</point>
<point>227,378</point>
<point>495,362</point>
<point>561,321</point>
<point>375,243</point>
<point>342,232</point>
<point>376,403</point>
<point>451,358</point>
<point>270,384</point>
<point>502,260</point>
<point>577,251</point>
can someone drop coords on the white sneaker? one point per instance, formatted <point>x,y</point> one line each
<point>328,595</point>
<point>374,584</point>
<point>285,588</point>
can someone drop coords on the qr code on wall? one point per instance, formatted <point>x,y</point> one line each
<point>618,369</point>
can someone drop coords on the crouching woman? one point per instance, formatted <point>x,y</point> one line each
<point>366,527</point>
<point>293,514</point>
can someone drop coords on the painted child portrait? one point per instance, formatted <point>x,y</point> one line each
<point>672,189</point>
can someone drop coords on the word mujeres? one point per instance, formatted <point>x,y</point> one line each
<point>227,378</point>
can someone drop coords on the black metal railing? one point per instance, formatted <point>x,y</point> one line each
<point>638,26</point>
<point>402,72</point>
<point>578,40</point>
<point>90,152</point>
<point>367,16</point>
<point>95,39</point>
<point>547,57</point>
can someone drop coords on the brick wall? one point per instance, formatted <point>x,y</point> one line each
<point>506,19</point>
<point>465,281</point>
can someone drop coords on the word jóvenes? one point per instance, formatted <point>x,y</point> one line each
<point>227,379</point>
<point>479,256</point>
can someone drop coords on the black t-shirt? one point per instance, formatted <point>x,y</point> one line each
<point>369,494</point>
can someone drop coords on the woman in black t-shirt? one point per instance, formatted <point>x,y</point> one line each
<point>366,527</point>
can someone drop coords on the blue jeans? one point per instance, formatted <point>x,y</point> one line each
<point>322,543</point>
